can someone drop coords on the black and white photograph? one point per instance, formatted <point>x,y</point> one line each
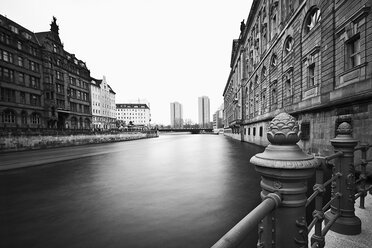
<point>185,124</point>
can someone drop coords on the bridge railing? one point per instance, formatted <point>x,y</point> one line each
<point>285,169</point>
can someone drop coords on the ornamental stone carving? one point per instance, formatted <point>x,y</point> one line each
<point>283,130</point>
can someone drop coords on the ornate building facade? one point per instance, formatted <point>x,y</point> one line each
<point>103,104</point>
<point>41,84</point>
<point>312,59</point>
<point>21,77</point>
<point>66,84</point>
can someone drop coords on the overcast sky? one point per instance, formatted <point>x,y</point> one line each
<point>161,50</point>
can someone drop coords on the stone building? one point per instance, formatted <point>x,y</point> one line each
<point>66,82</point>
<point>311,59</point>
<point>103,104</point>
<point>41,84</point>
<point>21,86</point>
<point>133,114</point>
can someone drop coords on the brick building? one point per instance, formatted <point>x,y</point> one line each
<point>312,59</point>
<point>21,87</point>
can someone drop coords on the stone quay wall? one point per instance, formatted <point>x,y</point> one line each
<point>12,142</point>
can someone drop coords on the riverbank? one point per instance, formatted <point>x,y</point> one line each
<point>29,141</point>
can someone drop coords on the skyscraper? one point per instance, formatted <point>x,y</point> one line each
<point>204,112</point>
<point>176,114</point>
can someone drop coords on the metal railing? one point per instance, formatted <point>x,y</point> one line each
<point>284,170</point>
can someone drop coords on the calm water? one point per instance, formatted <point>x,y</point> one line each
<point>173,191</point>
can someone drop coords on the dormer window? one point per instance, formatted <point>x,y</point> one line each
<point>312,19</point>
<point>14,29</point>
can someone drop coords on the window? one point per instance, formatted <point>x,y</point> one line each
<point>261,131</point>
<point>288,86</point>
<point>22,97</point>
<point>59,75</point>
<point>274,61</point>
<point>35,100</point>
<point>353,52</point>
<point>20,61</point>
<point>4,38</point>
<point>34,82</point>
<point>24,118</point>
<point>254,131</point>
<point>8,116</point>
<point>7,56</point>
<point>19,45</point>
<point>6,74</point>
<point>312,19</point>
<point>305,131</point>
<point>14,29</point>
<point>274,99</point>
<point>7,95</point>
<point>34,66</point>
<point>263,72</point>
<point>59,88</point>
<point>311,75</point>
<point>33,50</point>
<point>54,48</point>
<point>288,46</point>
<point>35,118</point>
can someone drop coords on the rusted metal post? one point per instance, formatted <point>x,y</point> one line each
<point>284,168</point>
<point>346,223</point>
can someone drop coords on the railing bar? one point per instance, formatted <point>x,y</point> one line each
<point>333,156</point>
<point>311,225</point>
<point>326,206</point>
<point>313,195</point>
<point>332,179</point>
<point>329,224</point>
<point>239,232</point>
<point>357,195</point>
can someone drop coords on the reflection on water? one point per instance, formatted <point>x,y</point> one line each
<point>173,191</point>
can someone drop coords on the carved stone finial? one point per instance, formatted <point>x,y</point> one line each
<point>344,128</point>
<point>283,130</point>
<point>53,26</point>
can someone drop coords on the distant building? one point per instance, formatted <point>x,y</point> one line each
<point>218,118</point>
<point>176,113</point>
<point>204,111</point>
<point>103,104</point>
<point>311,59</point>
<point>22,102</point>
<point>133,114</point>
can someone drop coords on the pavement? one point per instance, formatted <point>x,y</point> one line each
<point>363,240</point>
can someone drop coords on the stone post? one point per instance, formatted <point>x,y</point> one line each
<point>347,223</point>
<point>284,169</point>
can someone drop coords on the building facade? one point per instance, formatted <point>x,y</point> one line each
<point>218,118</point>
<point>138,114</point>
<point>103,104</point>
<point>66,82</point>
<point>311,59</point>
<point>41,85</point>
<point>176,115</point>
<point>204,112</point>
<point>22,102</point>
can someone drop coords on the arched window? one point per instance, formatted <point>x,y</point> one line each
<point>73,122</point>
<point>263,72</point>
<point>35,118</point>
<point>312,19</point>
<point>24,117</point>
<point>274,61</point>
<point>87,123</point>
<point>8,116</point>
<point>288,45</point>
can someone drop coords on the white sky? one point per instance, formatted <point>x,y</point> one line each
<point>161,50</point>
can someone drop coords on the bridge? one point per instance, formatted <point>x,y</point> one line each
<point>191,130</point>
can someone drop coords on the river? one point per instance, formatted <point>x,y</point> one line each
<point>172,191</point>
